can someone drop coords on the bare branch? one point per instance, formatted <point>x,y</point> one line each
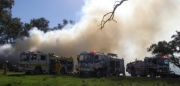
<point>103,22</point>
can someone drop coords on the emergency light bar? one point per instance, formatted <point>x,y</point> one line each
<point>164,56</point>
<point>92,52</point>
<point>31,52</point>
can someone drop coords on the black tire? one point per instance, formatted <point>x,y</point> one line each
<point>133,73</point>
<point>81,74</point>
<point>124,74</point>
<point>152,74</point>
<point>117,73</point>
<point>37,71</point>
<point>164,76</point>
<point>143,75</point>
<point>98,74</point>
<point>27,73</point>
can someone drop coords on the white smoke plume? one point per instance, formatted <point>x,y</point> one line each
<point>139,24</point>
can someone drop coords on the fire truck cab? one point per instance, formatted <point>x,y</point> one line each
<point>153,66</point>
<point>98,64</point>
<point>157,66</point>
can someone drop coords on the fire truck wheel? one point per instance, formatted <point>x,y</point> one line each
<point>98,73</point>
<point>27,73</point>
<point>117,73</point>
<point>163,76</point>
<point>152,74</point>
<point>37,71</point>
<point>143,75</point>
<point>81,74</point>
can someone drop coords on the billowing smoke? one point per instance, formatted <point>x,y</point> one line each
<point>139,24</point>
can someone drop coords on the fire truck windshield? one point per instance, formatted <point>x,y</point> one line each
<point>86,58</point>
<point>24,57</point>
<point>163,62</point>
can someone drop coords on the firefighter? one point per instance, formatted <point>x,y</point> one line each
<point>58,67</point>
<point>5,68</point>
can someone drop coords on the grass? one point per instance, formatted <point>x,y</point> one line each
<point>20,79</point>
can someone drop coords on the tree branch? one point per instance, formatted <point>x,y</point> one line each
<point>103,22</point>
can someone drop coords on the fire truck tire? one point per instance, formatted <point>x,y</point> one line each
<point>98,74</point>
<point>163,75</point>
<point>117,73</point>
<point>37,71</point>
<point>152,74</point>
<point>133,73</point>
<point>81,74</point>
<point>124,74</point>
<point>143,75</point>
<point>27,73</point>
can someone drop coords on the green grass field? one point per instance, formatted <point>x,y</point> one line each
<point>20,79</point>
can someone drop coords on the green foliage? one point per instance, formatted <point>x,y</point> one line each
<point>65,22</point>
<point>162,47</point>
<point>175,43</point>
<point>5,18</point>
<point>4,4</point>
<point>25,29</point>
<point>40,23</point>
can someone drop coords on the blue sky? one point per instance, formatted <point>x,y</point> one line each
<point>53,10</point>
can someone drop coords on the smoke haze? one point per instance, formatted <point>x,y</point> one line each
<point>139,24</point>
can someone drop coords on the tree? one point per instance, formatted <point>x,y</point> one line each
<point>5,11</point>
<point>25,29</point>
<point>162,48</point>
<point>65,22</point>
<point>5,18</point>
<point>175,43</point>
<point>168,48</point>
<point>103,21</point>
<point>175,46</point>
<point>13,30</point>
<point>6,4</point>
<point>40,23</point>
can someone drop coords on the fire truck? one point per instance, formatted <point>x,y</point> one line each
<point>39,63</point>
<point>153,66</point>
<point>99,64</point>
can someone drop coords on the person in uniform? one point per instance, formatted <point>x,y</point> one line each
<point>5,68</point>
<point>58,67</point>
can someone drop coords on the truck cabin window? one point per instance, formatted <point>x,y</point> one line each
<point>86,58</point>
<point>33,56</point>
<point>163,61</point>
<point>166,62</point>
<point>24,57</point>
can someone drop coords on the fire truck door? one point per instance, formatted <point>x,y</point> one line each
<point>121,65</point>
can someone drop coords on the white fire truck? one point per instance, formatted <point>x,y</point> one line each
<point>38,63</point>
<point>153,66</point>
<point>98,64</point>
